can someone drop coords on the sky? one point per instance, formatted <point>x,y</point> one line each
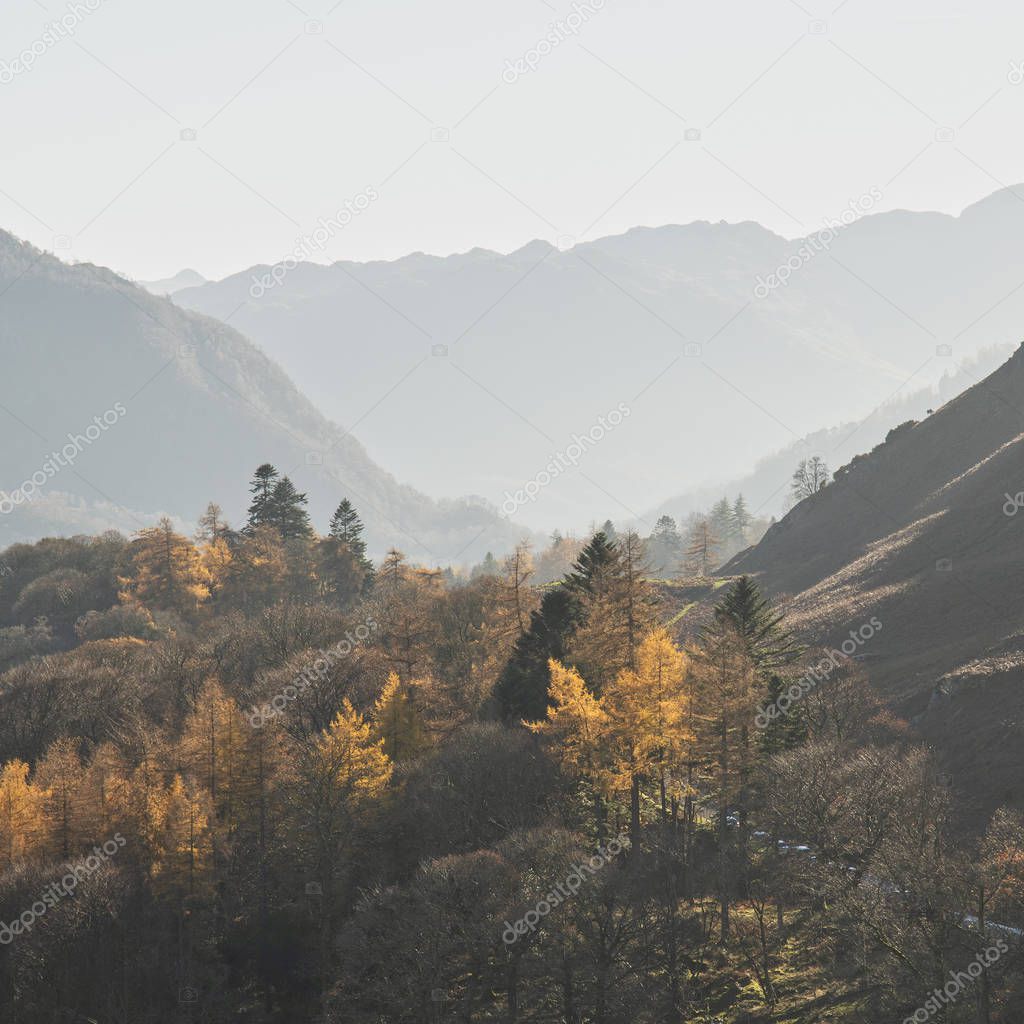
<point>149,137</point>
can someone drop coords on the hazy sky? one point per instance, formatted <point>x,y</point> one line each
<point>298,107</point>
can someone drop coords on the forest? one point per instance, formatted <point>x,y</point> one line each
<point>252,775</point>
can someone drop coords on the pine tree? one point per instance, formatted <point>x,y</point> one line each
<point>262,490</point>
<point>522,689</point>
<point>287,511</point>
<point>596,560</point>
<point>784,731</point>
<point>665,546</point>
<point>744,610</point>
<point>722,523</point>
<point>741,518</point>
<point>347,527</point>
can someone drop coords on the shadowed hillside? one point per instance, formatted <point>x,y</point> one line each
<point>917,533</point>
<point>202,408</point>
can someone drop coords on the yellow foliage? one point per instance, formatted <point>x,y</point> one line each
<point>397,721</point>
<point>577,722</point>
<point>22,814</point>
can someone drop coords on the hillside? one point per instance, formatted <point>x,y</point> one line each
<point>917,533</point>
<point>663,319</point>
<point>202,407</point>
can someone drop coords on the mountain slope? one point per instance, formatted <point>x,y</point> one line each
<point>202,407</point>
<point>921,534</point>
<point>541,342</point>
<point>170,285</point>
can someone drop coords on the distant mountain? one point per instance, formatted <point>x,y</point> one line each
<point>927,534</point>
<point>169,410</point>
<point>170,285</point>
<point>541,342</point>
<point>766,488</point>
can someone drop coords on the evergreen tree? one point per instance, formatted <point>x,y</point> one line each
<point>288,511</point>
<point>741,518</point>
<point>522,689</point>
<point>346,526</point>
<point>785,731</point>
<point>262,490</point>
<point>597,558</point>
<point>609,530</point>
<point>488,567</point>
<point>722,523</point>
<point>665,546</point>
<point>751,616</point>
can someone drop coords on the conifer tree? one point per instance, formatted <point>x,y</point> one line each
<point>166,571</point>
<point>741,518</point>
<point>701,551</point>
<point>262,490</point>
<point>287,511</point>
<point>751,615</point>
<point>787,729</point>
<point>347,527</point>
<point>397,721</point>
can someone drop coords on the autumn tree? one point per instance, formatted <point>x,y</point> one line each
<point>165,572</point>
<point>702,546</point>
<point>397,721</point>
